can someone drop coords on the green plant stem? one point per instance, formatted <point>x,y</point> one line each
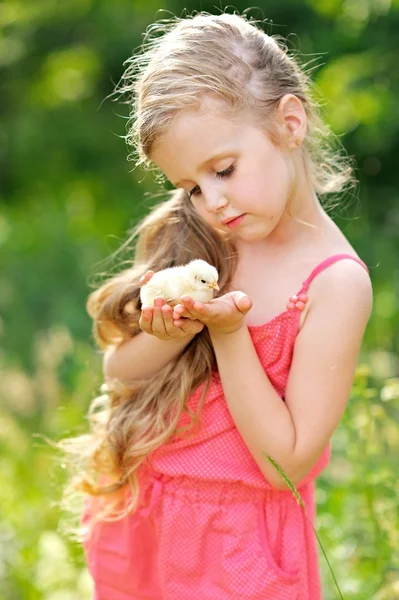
<point>302,504</point>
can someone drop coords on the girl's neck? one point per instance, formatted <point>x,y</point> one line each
<point>290,233</point>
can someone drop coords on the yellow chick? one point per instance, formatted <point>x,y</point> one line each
<point>197,279</point>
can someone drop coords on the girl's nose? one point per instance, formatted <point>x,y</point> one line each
<point>215,201</point>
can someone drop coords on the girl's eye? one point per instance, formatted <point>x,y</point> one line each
<point>197,190</point>
<point>226,172</point>
<point>194,191</point>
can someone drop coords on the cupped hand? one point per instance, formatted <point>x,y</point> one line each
<point>159,321</point>
<point>221,315</point>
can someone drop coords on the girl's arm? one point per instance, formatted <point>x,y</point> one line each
<point>160,342</point>
<point>296,432</point>
<point>141,357</point>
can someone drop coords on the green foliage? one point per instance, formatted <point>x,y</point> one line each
<point>68,195</point>
<point>359,491</point>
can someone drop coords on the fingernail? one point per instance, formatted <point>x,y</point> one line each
<point>158,302</point>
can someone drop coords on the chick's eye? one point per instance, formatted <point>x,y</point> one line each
<point>203,280</point>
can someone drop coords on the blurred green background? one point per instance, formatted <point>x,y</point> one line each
<point>68,197</point>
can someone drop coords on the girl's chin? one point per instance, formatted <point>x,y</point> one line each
<point>252,239</point>
<point>248,232</point>
<point>254,233</point>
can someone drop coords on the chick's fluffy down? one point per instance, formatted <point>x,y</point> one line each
<point>197,279</point>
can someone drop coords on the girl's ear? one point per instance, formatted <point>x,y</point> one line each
<point>292,116</point>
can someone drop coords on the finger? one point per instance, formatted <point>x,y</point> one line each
<point>190,307</point>
<point>145,320</point>
<point>180,314</point>
<point>170,327</point>
<point>242,301</point>
<point>186,325</point>
<point>191,304</point>
<point>146,277</point>
<point>158,324</point>
<point>186,299</point>
<point>202,309</point>
<point>182,324</point>
<point>181,310</point>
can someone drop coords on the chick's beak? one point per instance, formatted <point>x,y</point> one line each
<point>213,286</point>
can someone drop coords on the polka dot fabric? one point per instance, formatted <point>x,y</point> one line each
<point>209,526</point>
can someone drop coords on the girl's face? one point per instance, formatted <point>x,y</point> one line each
<point>229,167</point>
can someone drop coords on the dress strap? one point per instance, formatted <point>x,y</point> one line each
<point>326,263</point>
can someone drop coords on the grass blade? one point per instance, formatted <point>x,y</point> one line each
<point>302,504</point>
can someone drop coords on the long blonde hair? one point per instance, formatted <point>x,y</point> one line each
<point>130,420</point>
<point>229,57</point>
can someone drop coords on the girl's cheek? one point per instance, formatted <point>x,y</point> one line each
<point>246,194</point>
<point>203,213</point>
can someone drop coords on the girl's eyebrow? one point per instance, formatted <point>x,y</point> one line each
<point>220,154</point>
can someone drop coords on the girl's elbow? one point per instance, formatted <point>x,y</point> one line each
<point>283,486</point>
<point>287,482</point>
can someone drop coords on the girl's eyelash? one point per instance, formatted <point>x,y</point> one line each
<point>224,173</point>
<point>193,191</point>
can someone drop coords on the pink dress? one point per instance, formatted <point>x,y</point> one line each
<point>209,526</point>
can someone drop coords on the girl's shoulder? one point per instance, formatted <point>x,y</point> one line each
<point>271,280</point>
<point>340,276</point>
<point>345,261</point>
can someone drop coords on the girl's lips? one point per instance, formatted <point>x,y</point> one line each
<point>235,222</point>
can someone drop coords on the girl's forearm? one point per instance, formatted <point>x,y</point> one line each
<point>261,417</point>
<point>142,357</point>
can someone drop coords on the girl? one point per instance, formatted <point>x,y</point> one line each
<point>183,503</point>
